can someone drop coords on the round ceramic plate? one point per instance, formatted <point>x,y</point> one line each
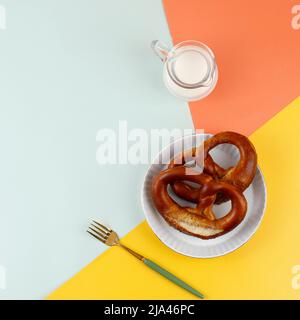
<point>226,155</point>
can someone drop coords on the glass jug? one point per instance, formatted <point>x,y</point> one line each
<point>190,71</point>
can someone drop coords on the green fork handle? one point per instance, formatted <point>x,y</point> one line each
<point>171,277</point>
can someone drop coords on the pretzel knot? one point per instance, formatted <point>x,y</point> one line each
<point>200,221</point>
<point>214,186</point>
<point>240,175</point>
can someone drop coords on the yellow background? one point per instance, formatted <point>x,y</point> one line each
<point>261,269</point>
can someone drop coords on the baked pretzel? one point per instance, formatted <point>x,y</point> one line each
<point>240,175</point>
<point>196,221</point>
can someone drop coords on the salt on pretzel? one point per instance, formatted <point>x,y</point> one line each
<point>196,221</point>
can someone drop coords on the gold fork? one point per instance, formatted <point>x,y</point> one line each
<point>110,238</point>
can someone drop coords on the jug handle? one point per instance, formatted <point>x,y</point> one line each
<point>160,49</point>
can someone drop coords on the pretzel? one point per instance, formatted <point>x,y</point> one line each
<point>240,175</point>
<point>196,221</point>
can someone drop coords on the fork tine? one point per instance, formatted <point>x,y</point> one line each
<point>101,225</point>
<point>101,234</point>
<point>95,236</point>
<point>103,237</point>
<point>106,233</point>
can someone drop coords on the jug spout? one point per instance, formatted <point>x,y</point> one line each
<point>160,49</point>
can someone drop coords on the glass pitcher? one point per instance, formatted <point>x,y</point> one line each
<point>190,71</point>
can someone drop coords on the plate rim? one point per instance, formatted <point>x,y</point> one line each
<point>234,248</point>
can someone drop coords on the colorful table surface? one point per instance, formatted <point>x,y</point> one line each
<point>56,92</point>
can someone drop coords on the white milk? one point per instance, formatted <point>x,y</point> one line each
<point>190,66</point>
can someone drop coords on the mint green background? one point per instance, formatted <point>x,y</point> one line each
<point>67,69</point>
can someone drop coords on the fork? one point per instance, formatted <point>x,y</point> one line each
<point>110,238</point>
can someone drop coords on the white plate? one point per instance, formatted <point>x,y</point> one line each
<point>225,155</point>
